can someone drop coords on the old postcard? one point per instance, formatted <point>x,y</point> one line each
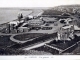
<point>39,27</point>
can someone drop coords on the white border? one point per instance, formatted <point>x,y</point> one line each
<point>38,3</point>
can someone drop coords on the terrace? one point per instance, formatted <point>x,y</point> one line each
<point>24,37</point>
<point>11,48</point>
<point>59,47</point>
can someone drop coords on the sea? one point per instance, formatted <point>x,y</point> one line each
<point>8,14</point>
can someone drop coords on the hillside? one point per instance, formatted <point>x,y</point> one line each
<point>58,10</point>
<point>52,12</point>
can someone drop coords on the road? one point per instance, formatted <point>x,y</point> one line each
<point>36,12</point>
<point>35,42</point>
<point>38,45</point>
<point>18,41</point>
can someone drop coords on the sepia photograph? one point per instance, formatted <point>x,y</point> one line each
<point>37,27</point>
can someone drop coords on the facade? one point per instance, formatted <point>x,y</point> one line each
<point>67,21</point>
<point>24,25</point>
<point>14,22</point>
<point>23,29</point>
<point>8,28</point>
<point>49,20</point>
<point>66,32</point>
<point>46,27</point>
<point>35,23</point>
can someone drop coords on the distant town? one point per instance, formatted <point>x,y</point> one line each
<point>53,31</point>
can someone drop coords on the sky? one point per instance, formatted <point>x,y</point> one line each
<point>36,3</point>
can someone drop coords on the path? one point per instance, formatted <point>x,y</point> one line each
<point>18,41</point>
<point>38,45</point>
<point>60,50</point>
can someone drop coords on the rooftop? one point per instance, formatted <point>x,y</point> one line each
<point>49,19</point>
<point>66,27</point>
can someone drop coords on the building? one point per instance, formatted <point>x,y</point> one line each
<point>23,29</point>
<point>46,27</point>
<point>14,23</point>
<point>49,20</point>
<point>8,28</point>
<point>66,32</point>
<point>24,25</point>
<point>67,21</point>
<point>36,23</point>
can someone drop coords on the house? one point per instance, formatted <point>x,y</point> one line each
<point>76,28</point>
<point>35,23</point>
<point>46,27</point>
<point>67,21</point>
<point>24,25</point>
<point>23,29</point>
<point>49,20</point>
<point>14,22</point>
<point>29,17</point>
<point>66,32</point>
